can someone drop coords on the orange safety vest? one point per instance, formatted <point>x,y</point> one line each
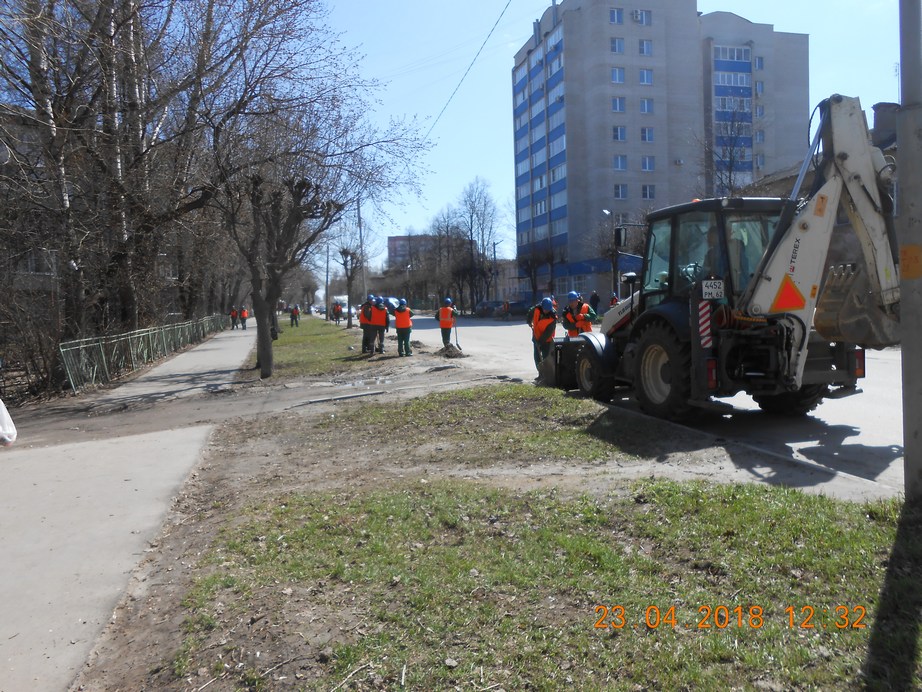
<point>378,316</point>
<point>543,327</point>
<point>402,318</point>
<point>365,313</point>
<point>446,317</point>
<point>244,314</point>
<point>233,313</point>
<point>574,326</point>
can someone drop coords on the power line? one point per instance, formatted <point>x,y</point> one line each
<point>479,50</point>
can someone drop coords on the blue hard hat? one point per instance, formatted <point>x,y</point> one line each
<point>573,295</point>
<point>371,297</point>
<point>547,304</point>
<point>379,301</point>
<point>447,301</point>
<point>402,301</point>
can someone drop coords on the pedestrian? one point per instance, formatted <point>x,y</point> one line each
<point>381,323</point>
<point>506,312</point>
<point>403,323</point>
<point>542,319</point>
<point>295,315</point>
<point>594,301</point>
<point>233,316</point>
<point>577,316</point>
<point>614,300</point>
<point>243,316</point>
<point>447,316</point>
<point>368,331</point>
<point>337,312</point>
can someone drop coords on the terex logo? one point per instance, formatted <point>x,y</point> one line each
<point>793,263</point>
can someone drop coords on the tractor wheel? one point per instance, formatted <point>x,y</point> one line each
<point>662,379</point>
<point>793,404</point>
<point>591,376</point>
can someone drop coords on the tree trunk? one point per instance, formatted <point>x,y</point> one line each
<point>263,315</point>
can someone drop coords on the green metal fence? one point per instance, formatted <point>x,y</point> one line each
<point>104,359</point>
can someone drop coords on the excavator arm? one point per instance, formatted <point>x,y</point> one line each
<point>856,303</point>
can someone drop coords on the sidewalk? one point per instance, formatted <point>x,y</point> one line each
<point>76,518</point>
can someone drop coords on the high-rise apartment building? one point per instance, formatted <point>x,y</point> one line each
<point>619,110</point>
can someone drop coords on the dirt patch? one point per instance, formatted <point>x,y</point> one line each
<point>303,437</point>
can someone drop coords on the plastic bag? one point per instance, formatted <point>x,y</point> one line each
<point>7,428</point>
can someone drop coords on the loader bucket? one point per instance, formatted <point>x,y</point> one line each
<point>848,311</point>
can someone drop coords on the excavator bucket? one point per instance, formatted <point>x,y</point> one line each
<point>847,311</point>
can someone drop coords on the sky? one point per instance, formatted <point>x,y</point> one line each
<point>419,51</point>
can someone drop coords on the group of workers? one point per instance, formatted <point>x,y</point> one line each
<point>577,317</point>
<point>375,321</point>
<point>239,316</point>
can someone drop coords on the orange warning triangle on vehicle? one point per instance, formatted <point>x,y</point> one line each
<point>788,297</point>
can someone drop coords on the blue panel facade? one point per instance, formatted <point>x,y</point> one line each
<point>732,66</point>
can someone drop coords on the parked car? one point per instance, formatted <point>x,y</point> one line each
<point>517,308</point>
<point>486,308</point>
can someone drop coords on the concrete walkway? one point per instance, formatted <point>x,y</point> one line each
<point>76,518</point>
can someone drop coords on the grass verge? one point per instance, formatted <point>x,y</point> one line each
<point>315,347</point>
<point>445,584</point>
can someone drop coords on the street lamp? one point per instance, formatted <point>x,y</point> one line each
<point>409,267</point>
<point>613,254</point>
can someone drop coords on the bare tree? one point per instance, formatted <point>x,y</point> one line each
<point>727,149</point>
<point>477,213</point>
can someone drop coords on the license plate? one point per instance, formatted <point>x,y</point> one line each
<point>712,289</point>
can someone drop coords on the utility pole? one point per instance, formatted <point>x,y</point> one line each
<point>495,274</point>
<point>909,233</point>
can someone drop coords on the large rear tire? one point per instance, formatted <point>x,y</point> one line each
<point>662,378</point>
<point>793,404</point>
<point>591,376</point>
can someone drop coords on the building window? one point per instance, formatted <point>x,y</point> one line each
<point>618,104</point>
<point>617,45</point>
<point>558,172</point>
<point>646,134</point>
<point>557,146</point>
<point>760,87</point>
<point>540,232</point>
<point>557,119</point>
<point>616,15</point>
<point>646,47</point>
<point>737,53</point>
<point>646,77</point>
<point>760,136</point>
<point>733,104</point>
<point>558,226</point>
<point>559,199</point>
<point>536,57</point>
<point>521,192</point>
<point>538,158</point>
<point>759,62</point>
<point>524,214</point>
<point>538,131</point>
<point>643,17</point>
<point>648,191</point>
<point>521,121</point>
<point>555,94</point>
<point>646,106</point>
<point>520,97</point>
<point>555,37</point>
<point>521,145</point>
<point>555,65</point>
<point>732,79</point>
<point>520,73</point>
<point>540,207</point>
<point>539,183</point>
<point>760,111</point>
<point>619,162</point>
<point>620,191</point>
<point>760,160</point>
<point>648,163</point>
<point>537,108</point>
<point>617,75</point>
<point>521,167</point>
<point>619,133</point>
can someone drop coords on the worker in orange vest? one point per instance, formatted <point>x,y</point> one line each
<point>403,322</point>
<point>447,316</point>
<point>542,319</point>
<point>368,333</point>
<point>243,316</point>
<point>577,316</point>
<point>381,323</point>
<point>233,316</point>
